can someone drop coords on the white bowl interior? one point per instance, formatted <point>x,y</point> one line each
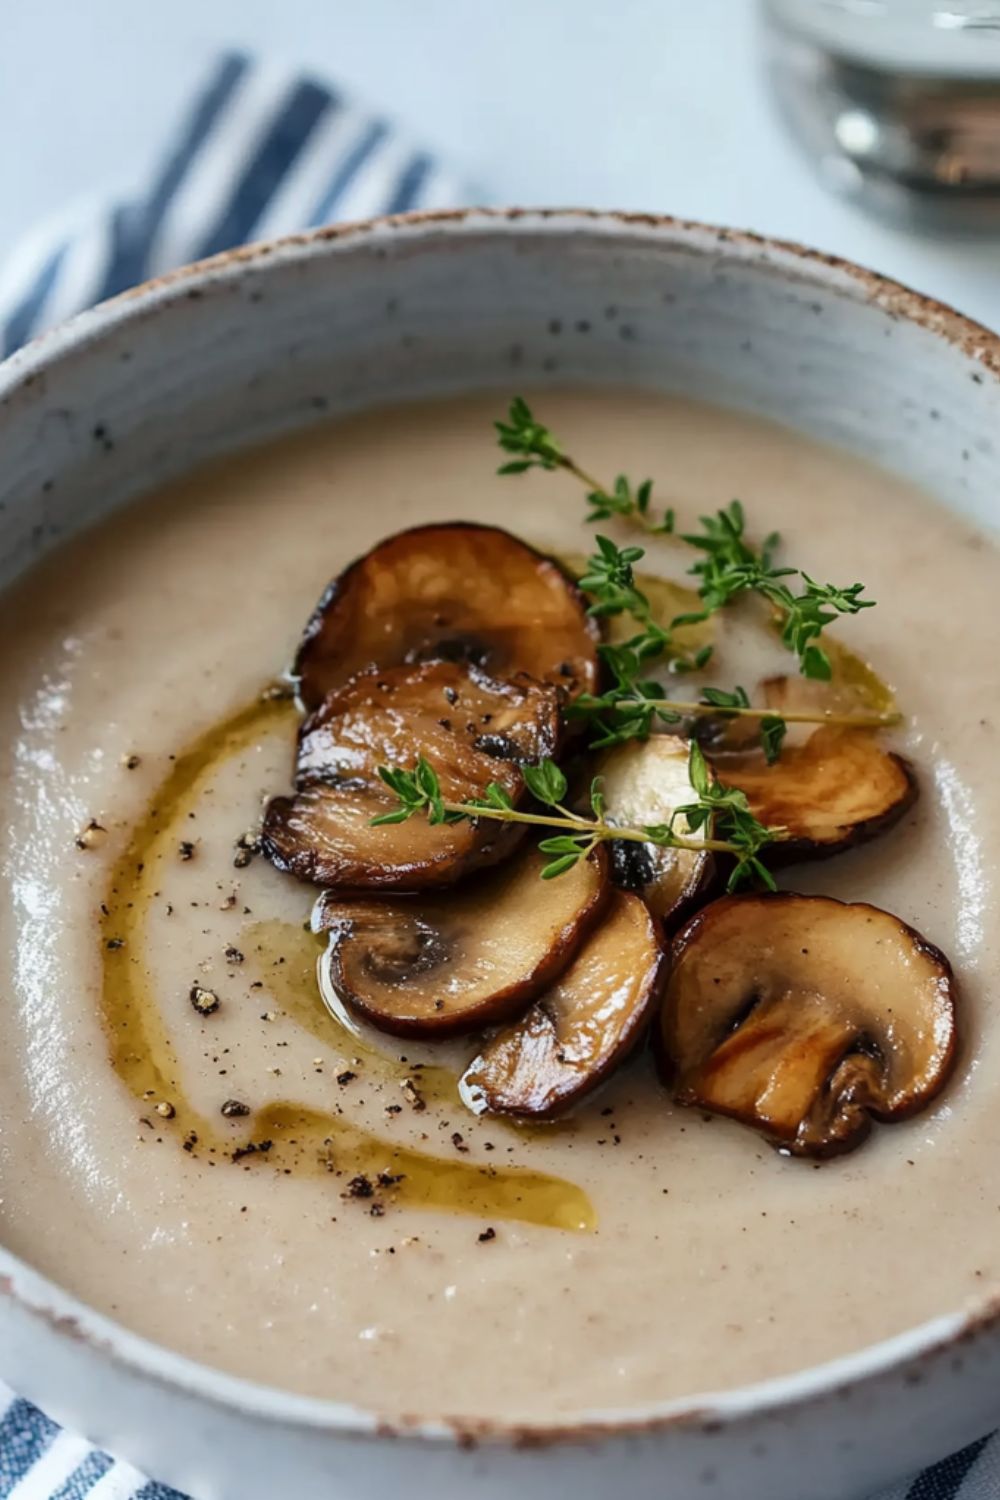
<point>264,341</point>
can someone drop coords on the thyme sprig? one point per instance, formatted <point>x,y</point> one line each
<point>535,447</point>
<point>730,565</point>
<point>634,703</point>
<point>614,712</point>
<point>617,716</point>
<point>610,582</point>
<point>721,814</point>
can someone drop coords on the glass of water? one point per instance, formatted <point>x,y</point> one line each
<point>897,101</point>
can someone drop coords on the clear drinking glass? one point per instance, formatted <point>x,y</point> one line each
<point>897,101</point>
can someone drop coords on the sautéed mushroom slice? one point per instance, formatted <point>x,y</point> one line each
<point>474,731</point>
<point>838,789</point>
<point>642,784</point>
<point>806,1018</point>
<point>438,966</point>
<point>457,592</point>
<point>581,1028</point>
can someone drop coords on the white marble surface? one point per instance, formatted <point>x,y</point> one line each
<point>651,104</point>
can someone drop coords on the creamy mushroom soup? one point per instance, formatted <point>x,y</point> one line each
<point>193,1143</point>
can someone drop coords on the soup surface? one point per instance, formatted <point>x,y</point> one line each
<point>638,1252</point>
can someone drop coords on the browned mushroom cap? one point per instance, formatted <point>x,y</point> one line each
<point>472,958</point>
<point>472,729</point>
<point>642,784</point>
<point>456,592</point>
<point>839,788</point>
<point>806,1018</point>
<point>581,1028</point>
<point>469,725</point>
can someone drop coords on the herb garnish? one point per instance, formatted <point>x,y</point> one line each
<point>610,582</point>
<point>730,565</point>
<point>721,813</point>
<point>535,447</point>
<point>633,704</point>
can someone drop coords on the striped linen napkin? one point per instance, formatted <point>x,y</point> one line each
<point>260,151</point>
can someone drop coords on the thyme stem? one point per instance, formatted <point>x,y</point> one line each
<point>594,487</point>
<point>715,809</point>
<point>790,716</point>
<point>600,831</point>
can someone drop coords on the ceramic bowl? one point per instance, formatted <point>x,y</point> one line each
<point>259,341</point>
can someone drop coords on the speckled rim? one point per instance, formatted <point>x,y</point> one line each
<point>905,1357</point>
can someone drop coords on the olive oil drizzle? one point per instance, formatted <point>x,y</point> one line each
<point>141,1052</point>
<point>314,1141</point>
<point>291,963</point>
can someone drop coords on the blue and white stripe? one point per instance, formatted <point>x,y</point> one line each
<point>262,151</point>
<point>40,1461</point>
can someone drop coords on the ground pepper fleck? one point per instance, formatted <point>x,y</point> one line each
<point>252,1148</point>
<point>412,1094</point>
